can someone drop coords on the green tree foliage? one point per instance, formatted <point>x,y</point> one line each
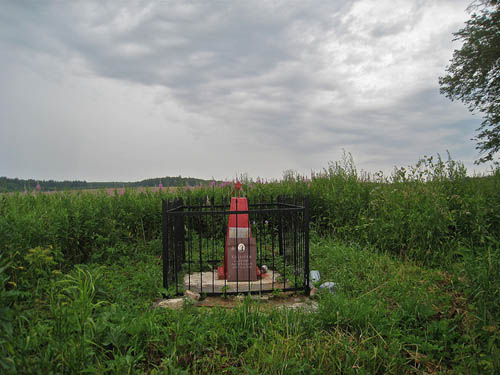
<point>473,75</point>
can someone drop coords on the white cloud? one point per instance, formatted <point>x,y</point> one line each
<point>134,90</point>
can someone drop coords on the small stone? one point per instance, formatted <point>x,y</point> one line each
<point>173,304</point>
<point>297,300</point>
<point>313,306</point>
<point>192,295</point>
<point>303,306</point>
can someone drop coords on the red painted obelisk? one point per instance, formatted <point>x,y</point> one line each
<point>239,254</point>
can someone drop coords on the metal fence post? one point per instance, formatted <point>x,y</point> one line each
<point>306,234</point>
<point>164,208</point>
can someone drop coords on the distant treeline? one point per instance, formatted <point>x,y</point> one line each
<point>17,184</point>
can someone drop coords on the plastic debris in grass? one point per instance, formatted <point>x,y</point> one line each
<point>329,285</point>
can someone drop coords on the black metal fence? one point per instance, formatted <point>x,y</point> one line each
<point>194,246</point>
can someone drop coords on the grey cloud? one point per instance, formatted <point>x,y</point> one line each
<point>280,75</point>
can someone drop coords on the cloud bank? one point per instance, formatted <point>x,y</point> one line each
<point>131,90</point>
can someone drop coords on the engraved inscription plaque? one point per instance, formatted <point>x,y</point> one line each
<point>242,263</point>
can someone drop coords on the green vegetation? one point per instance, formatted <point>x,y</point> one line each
<point>17,184</point>
<point>473,74</point>
<point>415,258</point>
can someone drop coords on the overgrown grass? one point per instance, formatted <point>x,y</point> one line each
<point>415,258</point>
<point>426,212</point>
<point>386,317</point>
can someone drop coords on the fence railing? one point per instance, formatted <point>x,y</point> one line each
<point>197,245</point>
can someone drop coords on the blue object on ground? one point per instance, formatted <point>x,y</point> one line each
<point>328,285</point>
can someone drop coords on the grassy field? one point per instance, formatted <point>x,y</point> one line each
<point>415,259</point>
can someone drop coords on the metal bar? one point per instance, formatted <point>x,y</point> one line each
<point>294,233</point>
<point>249,205</point>
<point>262,234</point>
<point>164,242</point>
<point>280,229</point>
<point>237,258</point>
<point>176,209</point>
<point>200,246</point>
<point>291,289</point>
<point>301,242</point>
<point>190,248</point>
<point>213,245</point>
<point>273,216</point>
<point>233,293</point>
<point>176,243</point>
<point>249,253</point>
<point>278,204</point>
<point>289,205</point>
<point>182,240</point>
<point>225,246</point>
<point>283,252</point>
<point>306,232</point>
<point>270,210</point>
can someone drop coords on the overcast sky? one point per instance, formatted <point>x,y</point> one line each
<point>131,90</point>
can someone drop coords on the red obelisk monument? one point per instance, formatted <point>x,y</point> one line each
<point>240,263</point>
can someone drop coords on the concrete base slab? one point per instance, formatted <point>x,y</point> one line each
<point>287,301</point>
<point>173,304</point>
<point>209,283</point>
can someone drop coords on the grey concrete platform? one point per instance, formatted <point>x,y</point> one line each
<point>209,283</point>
